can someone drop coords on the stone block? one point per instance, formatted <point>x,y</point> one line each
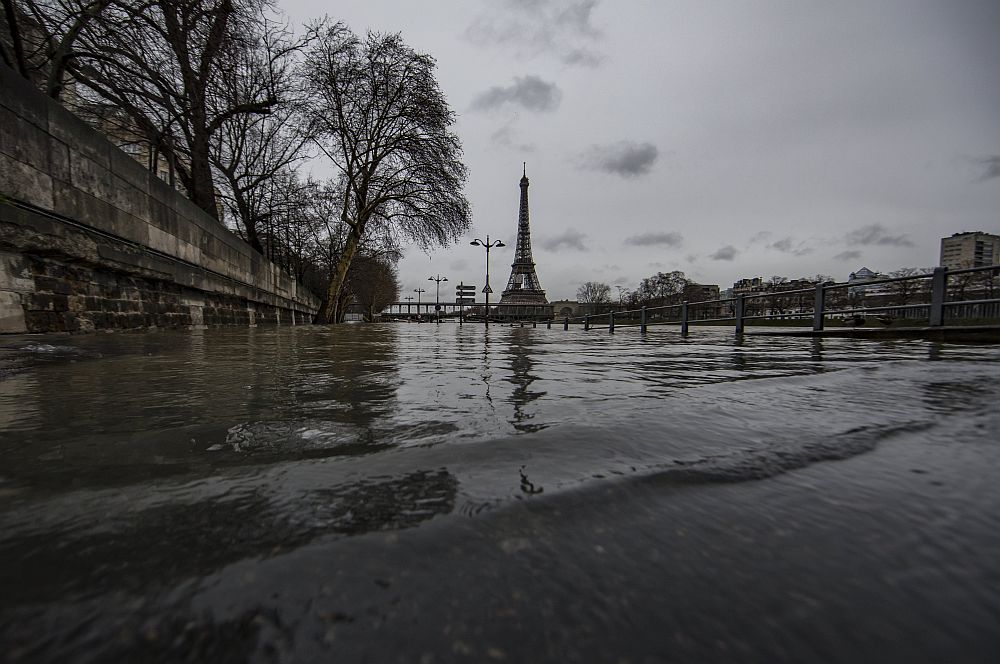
<point>82,140</point>
<point>162,216</point>
<point>15,273</point>
<point>11,313</point>
<point>90,176</point>
<point>47,284</point>
<point>127,226</point>
<point>162,241</point>
<point>58,159</point>
<point>23,100</point>
<point>23,141</point>
<point>44,321</point>
<point>24,182</point>
<point>131,172</point>
<point>128,198</point>
<point>45,302</point>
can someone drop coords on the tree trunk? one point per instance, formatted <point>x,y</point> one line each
<point>330,313</point>
<point>202,186</point>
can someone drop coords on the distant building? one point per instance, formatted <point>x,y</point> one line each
<point>975,249</point>
<point>858,280</point>
<point>700,292</point>
<point>748,286</point>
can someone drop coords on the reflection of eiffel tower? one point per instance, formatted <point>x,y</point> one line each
<point>523,287</point>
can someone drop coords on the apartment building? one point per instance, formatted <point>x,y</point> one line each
<point>975,249</point>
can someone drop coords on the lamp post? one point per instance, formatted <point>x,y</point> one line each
<point>437,295</point>
<point>418,291</point>
<point>622,292</point>
<point>486,289</point>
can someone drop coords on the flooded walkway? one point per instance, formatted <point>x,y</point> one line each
<point>443,493</point>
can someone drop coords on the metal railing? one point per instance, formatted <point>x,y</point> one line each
<point>919,299</point>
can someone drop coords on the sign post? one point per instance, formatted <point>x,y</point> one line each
<point>464,295</point>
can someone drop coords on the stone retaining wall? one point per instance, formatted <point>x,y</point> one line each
<point>89,239</point>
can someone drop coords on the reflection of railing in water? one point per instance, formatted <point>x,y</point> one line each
<point>474,312</point>
<point>924,299</point>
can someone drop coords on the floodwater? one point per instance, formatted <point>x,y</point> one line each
<point>431,493</point>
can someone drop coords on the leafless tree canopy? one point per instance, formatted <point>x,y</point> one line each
<point>662,288</point>
<point>376,111</point>
<point>228,104</point>
<point>168,65</point>
<point>594,292</point>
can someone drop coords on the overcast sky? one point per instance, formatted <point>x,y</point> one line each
<point>724,139</point>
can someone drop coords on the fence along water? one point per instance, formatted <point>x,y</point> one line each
<point>934,299</point>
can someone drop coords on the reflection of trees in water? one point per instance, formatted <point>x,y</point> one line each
<point>521,364</point>
<point>349,375</point>
<point>165,543</point>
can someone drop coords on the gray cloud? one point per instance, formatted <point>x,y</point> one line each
<point>849,255</point>
<point>726,253</point>
<point>583,57</point>
<point>876,234</point>
<point>576,17</point>
<point>459,265</point>
<point>529,92</point>
<point>789,246</point>
<point>560,28</point>
<point>624,158</point>
<point>992,165</point>
<point>570,238</point>
<point>652,239</point>
<point>762,236</point>
<point>506,136</point>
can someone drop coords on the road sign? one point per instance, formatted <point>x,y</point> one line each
<point>487,289</point>
<point>462,288</point>
<point>465,300</point>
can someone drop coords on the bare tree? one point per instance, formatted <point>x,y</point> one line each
<point>662,288</point>
<point>38,38</point>
<point>594,292</point>
<point>254,153</point>
<point>903,292</point>
<point>162,62</point>
<point>376,111</point>
<point>373,283</point>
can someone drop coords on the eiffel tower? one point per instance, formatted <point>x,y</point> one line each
<point>523,287</point>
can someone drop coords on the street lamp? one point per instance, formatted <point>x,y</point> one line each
<point>437,294</point>
<point>486,289</point>
<point>622,292</point>
<point>418,291</point>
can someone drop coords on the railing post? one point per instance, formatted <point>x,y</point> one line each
<point>548,324</point>
<point>739,314</point>
<point>586,322</point>
<point>939,288</point>
<point>819,312</point>
<point>684,318</point>
<point>611,323</point>
<point>565,322</point>
<point>642,321</point>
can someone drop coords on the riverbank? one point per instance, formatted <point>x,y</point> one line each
<point>434,493</point>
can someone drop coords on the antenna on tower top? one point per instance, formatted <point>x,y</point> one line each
<point>525,168</point>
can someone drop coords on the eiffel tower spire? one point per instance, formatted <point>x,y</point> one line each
<point>523,286</point>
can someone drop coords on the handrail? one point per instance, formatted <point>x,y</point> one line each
<point>679,313</point>
<point>685,313</point>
